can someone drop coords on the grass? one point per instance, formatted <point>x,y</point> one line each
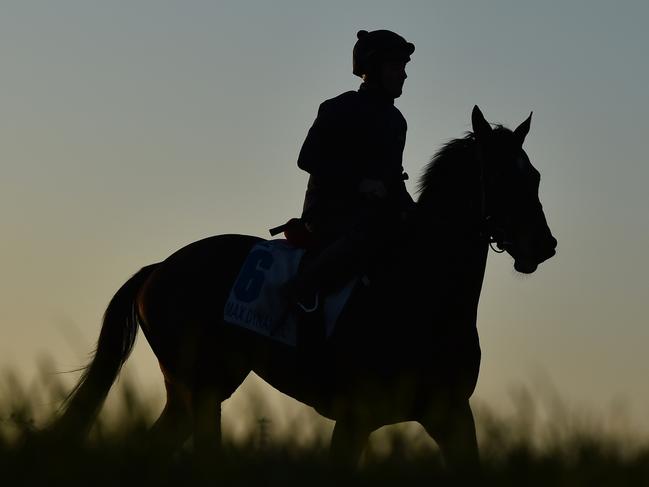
<point>566,449</point>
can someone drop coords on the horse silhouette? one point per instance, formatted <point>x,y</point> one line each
<point>405,349</point>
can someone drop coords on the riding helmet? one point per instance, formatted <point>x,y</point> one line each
<point>376,46</point>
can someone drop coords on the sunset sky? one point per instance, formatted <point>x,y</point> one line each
<point>131,128</point>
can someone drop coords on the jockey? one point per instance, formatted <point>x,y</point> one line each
<point>353,153</point>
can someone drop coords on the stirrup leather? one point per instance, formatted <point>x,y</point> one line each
<point>313,308</point>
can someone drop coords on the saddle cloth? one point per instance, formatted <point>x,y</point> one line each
<point>256,304</point>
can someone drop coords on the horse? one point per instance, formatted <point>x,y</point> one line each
<point>406,348</point>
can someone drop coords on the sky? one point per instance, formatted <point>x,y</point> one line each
<point>129,129</point>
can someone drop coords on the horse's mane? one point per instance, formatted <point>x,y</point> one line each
<point>444,160</point>
<point>450,160</point>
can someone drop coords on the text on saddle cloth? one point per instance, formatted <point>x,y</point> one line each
<point>257,303</point>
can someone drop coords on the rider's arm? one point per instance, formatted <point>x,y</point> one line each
<point>323,152</point>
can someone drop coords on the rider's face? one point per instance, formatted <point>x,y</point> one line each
<point>393,75</point>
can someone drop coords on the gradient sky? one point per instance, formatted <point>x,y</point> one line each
<point>131,128</point>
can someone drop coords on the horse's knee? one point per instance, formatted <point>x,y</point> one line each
<point>455,434</point>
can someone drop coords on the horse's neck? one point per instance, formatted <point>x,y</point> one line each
<point>448,252</point>
<point>450,204</point>
<point>445,248</point>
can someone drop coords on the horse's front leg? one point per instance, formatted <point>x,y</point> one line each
<point>348,441</point>
<point>453,429</point>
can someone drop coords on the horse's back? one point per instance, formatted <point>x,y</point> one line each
<point>212,251</point>
<point>181,304</point>
<point>205,266</point>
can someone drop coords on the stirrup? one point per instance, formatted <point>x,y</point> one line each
<point>313,308</point>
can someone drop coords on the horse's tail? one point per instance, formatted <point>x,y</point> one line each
<point>115,343</point>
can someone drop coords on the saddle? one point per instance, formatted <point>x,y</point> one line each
<point>296,233</point>
<point>257,301</point>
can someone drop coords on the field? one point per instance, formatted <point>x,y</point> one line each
<point>534,446</point>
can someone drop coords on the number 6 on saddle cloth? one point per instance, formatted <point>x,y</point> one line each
<point>257,303</point>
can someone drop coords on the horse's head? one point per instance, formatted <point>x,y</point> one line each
<point>510,194</point>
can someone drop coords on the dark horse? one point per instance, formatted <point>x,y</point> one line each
<point>406,347</point>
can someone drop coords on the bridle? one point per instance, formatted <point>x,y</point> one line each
<point>488,228</point>
<point>489,235</point>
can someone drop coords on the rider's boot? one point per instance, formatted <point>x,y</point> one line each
<point>328,268</point>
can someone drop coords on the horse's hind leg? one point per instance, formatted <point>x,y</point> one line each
<point>206,420</point>
<point>206,397</point>
<point>454,432</point>
<point>174,426</point>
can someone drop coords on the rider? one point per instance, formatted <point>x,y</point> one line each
<point>353,153</point>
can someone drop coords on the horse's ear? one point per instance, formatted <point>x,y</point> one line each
<point>523,129</point>
<point>481,127</point>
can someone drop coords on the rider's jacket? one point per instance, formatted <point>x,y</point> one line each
<point>356,135</point>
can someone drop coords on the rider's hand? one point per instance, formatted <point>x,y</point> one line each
<point>372,189</point>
